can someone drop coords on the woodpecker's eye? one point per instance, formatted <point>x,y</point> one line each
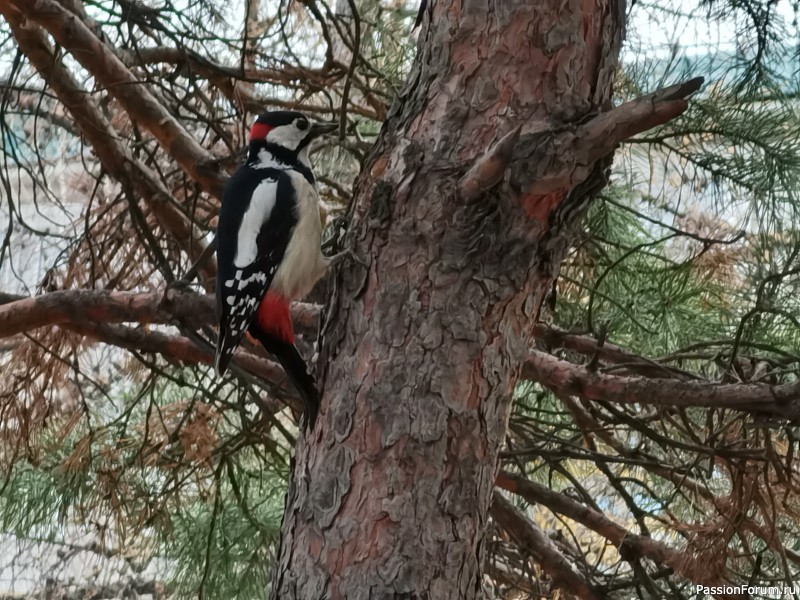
<point>302,124</point>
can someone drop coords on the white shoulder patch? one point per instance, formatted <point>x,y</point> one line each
<point>266,160</point>
<point>258,213</point>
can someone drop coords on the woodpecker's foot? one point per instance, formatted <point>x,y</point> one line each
<point>345,255</point>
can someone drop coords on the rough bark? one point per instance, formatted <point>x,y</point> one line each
<point>391,491</point>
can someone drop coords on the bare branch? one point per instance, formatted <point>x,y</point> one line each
<point>534,542</point>
<point>548,163</point>
<point>109,71</point>
<point>176,349</point>
<point>234,83</point>
<point>601,135</point>
<point>781,401</point>
<point>554,337</point>
<point>110,150</point>
<point>82,306</point>
<point>630,545</point>
<point>588,517</point>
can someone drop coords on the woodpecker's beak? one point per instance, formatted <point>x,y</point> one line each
<point>318,129</point>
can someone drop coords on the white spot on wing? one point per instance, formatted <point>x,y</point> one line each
<point>257,276</point>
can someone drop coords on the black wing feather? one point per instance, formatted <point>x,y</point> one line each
<point>240,290</point>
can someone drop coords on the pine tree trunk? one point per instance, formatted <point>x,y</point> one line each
<point>421,350</point>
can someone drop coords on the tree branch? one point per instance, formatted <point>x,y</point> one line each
<point>489,169</point>
<point>630,545</point>
<point>534,542</point>
<point>173,348</point>
<point>554,337</point>
<point>178,349</point>
<point>234,83</point>
<point>548,163</point>
<point>70,307</point>
<point>781,401</point>
<point>113,155</point>
<point>109,71</point>
<point>601,135</point>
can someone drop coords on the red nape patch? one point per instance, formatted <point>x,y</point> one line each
<point>273,317</point>
<point>259,131</point>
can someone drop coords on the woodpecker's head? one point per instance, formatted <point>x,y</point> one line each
<point>287,130</point>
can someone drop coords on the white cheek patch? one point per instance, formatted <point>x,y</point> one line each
<point>259,211</point>
<point>287,136</point>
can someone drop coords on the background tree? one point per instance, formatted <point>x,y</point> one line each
<point>646,328</point>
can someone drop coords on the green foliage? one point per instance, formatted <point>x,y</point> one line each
<point>628,277</point>
<point>227,545</point>
<point>139,480</point>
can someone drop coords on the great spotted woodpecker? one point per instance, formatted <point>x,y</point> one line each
<point>268,245</point>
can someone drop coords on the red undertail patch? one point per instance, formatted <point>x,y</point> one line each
<point>274,319</point>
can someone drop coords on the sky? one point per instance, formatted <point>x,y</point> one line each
<point>697,30</point>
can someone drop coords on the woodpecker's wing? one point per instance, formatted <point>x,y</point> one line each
<point>256,220</point>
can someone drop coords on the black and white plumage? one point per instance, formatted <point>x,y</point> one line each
<point>268,244</point>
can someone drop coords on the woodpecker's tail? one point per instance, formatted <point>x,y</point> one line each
<point>226,346</point>
<point>295,368</point>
